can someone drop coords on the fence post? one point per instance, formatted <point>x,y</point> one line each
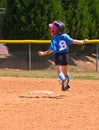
<point>30,58</point>
<point>97,58</point>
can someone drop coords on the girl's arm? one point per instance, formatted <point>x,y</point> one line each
<point>43,53</point>
<point>80,41</point>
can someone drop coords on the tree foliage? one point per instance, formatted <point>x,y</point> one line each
<point>2,3</point>
<point>29,19</point>
<point>2,12</point>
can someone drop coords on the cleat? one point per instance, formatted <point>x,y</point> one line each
<point>63,85</point>
<point>67,87</point>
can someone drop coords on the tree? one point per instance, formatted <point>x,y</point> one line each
<point>2,3</point>
<point>29,19</point>
<point>93,24</point>
<point>81,20</point>
<point>2,13</point>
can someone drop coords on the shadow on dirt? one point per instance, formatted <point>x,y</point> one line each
<point>44,96</point>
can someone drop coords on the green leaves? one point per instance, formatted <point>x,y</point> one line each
<point>29,19</point>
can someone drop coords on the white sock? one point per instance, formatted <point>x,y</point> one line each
<point>68,76</point>
<point>62,76</point>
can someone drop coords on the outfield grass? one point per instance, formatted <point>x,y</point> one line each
<point>85,75</point>
<point>47,74</point>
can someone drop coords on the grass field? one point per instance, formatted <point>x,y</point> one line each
<point>48,74</point>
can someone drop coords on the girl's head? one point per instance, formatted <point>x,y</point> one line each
<point>57,27</point>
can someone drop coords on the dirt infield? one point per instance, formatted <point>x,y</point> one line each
<point>39,104</point>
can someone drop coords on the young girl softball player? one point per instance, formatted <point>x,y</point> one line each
<point>60,46</point>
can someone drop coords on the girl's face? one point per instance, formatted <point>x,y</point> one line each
<point>53,30</point>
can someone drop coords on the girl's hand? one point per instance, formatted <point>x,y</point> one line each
<point>40,53</point>
<point>85,41</point>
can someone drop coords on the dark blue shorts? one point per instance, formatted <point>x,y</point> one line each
<point>61,58</point>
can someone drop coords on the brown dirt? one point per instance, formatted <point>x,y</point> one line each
<point>26,104</point>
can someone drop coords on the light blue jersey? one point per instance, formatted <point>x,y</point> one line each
<point>61,43</point>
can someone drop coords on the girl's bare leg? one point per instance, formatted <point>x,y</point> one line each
<point>63,69</point>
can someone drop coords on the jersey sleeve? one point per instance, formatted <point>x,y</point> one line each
<point>52,46</point>
<point>69,40</point>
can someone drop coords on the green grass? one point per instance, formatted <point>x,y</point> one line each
<point>27,73</point>
<point>85,75</point>
<point>47,74</point>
